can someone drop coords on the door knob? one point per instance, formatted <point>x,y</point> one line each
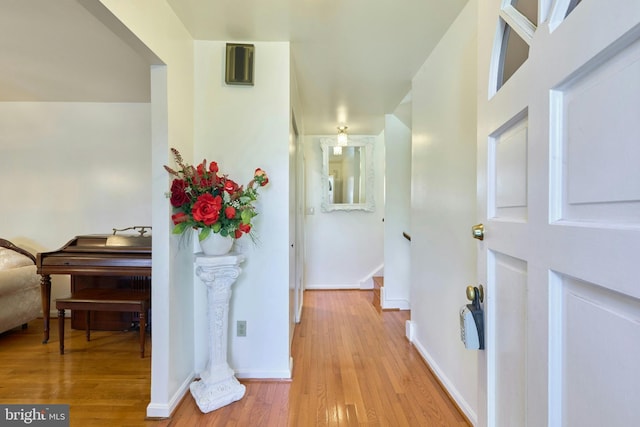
<point>473,291</point>
<point>478,231</point>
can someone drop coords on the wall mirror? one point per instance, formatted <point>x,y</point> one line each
<point>347,175</point>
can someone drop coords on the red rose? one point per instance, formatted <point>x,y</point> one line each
<point>238,234</point>
<point>230,212</point>
<point>207,208</point>
<point>178,195</point>
<point>213,167</point>
<point>201,169</point>
<point>230,186</point>
<point>245,228</point>
<point>179,217</point>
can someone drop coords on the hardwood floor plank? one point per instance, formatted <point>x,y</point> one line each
<point>352,367</point>
<point>104,381</point>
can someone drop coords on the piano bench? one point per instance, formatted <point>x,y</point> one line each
<point>98,299</point>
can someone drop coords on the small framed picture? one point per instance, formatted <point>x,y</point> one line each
<point>239,67</point>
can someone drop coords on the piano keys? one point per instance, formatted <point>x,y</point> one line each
<point>98,256</point>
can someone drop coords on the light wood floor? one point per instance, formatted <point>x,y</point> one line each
<point>352,367</point>
<point>104,381</point>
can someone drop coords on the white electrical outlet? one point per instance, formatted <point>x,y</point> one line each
<point>241,328</point>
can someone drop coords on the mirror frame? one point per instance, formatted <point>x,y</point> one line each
<point>369,204</point>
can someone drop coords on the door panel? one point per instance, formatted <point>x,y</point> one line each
<point>559,194</point>
<point>509,156</point>
<point>509,289</point>
<point>597,140</point>
<point>590,359</point>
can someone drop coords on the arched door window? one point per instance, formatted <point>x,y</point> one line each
<point>516,24</point>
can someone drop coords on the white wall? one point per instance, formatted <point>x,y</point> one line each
<point>157,27</point>
<point>68,169</point>
<point>243,128</point>
<point>443,254</point>
<point>343,249</point>
<point>397,249</point>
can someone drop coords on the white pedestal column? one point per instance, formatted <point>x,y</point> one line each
<point>217,386</point>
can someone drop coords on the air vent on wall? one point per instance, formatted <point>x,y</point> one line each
<point>239,66</point>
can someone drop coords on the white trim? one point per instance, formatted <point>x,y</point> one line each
<point>495,73</point>
<point>387,304</point>
<point>367,281</point>
<point>162,410</point>
<point>558,13</point>
<point>53,313</point>
<point>268,375</point>
<point>518,23</point>
<point>554,352</point>
<point>317,287</point>
<point>464,406</point>
<point>400,304</point>
<point>409,330</point>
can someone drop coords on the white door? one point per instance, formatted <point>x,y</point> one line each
<point>559,196</point>
<point>296,234</point>
<point>300,198</point>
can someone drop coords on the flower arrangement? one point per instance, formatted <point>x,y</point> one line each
<point>204,200</point>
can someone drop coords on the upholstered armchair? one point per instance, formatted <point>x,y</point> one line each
<point>20,300</point>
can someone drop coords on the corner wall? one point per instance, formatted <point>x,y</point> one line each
<point>243,128</point>
<point>155,25</point>
<point>443,206</point>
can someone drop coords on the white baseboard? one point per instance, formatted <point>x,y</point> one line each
<point>392,304</point>
<point>366,285</point>
<point>164,410</point>
<point>331,287</point>
<point>367,281</point>
<point>53,314</point>
<point>409,329</point>
<point>395,304</point>
<point>264,375</point>
<point>453,392</point>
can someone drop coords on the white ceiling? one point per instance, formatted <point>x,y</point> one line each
<point>353,59</point>
<point>58,51</point>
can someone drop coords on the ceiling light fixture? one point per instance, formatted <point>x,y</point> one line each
<point>342,136</point>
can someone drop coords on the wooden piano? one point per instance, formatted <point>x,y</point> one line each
<point>96,261</point>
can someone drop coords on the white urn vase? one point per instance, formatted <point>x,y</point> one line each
<point>216,244</point>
